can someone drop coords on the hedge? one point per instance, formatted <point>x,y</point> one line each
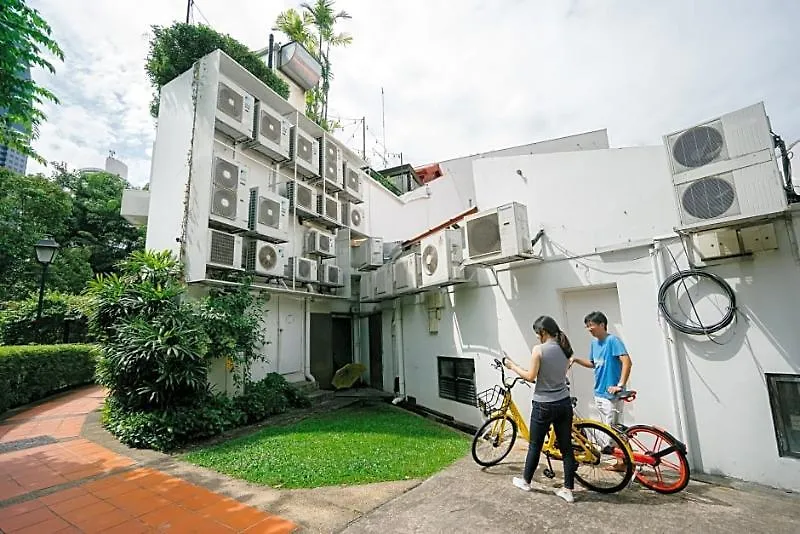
<point>32,372</point>
<point>64,320</point>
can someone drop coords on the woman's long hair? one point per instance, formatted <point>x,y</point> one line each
<point>547,324</point>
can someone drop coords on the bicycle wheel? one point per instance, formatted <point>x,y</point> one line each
<point>596,437</point>
<point>660,459</point>
<point>493,440</point>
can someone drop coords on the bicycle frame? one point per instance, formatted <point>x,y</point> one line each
<point>586,454</point>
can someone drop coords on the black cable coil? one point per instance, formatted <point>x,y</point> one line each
<point>687,328</point>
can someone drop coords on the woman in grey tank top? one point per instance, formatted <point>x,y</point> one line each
<point>551,402</point>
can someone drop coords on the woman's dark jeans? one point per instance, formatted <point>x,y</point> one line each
<point>559,414</point>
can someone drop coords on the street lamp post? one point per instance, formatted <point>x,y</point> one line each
<point>46,251</point>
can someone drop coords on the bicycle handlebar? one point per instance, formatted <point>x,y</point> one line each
<point>499,365</point>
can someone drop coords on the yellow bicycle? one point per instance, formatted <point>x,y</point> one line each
<point>495,439</point>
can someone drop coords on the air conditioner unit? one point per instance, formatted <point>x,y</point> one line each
<point>353,183</point>
<point>367,287</point>
<point>269,215</point>
<point>230,195</point>
<point>265,259</point>
<point>383,280</point>
<point>302,269</point>
<point>304,152</point>
<point>321,244</point>
<point>224,250</point>
<point>235,110</point>
<point>271,133</point>
<point>725,170</point>
<point>328,208</point>
<point>368,254</point>
<point>498,235</point>
<point>442,256</point>
<point>407,273</point>
<point>330,164</point>
<point>302,198</point>
<point>354,216</point>
<point>330,275</point>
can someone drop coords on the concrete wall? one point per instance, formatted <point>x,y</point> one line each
<point>601,210</point>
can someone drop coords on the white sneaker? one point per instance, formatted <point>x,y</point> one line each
<point>521,484</point>
<point>565,494</point>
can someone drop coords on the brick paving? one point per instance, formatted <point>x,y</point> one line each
<point>52,480</point>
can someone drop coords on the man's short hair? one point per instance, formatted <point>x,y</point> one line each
<point>596,317</point>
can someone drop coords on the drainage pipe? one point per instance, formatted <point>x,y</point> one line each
<point>673,361</point>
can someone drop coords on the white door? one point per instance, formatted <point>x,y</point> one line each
<point>577,304</point>
<point>291,332</point>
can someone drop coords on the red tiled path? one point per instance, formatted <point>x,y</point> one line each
<point>118,498</point>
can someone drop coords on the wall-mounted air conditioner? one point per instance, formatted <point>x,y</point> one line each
<point>725,169</point>
<point>354,216</point>
<point>224,250</point>
<point>269,215</point>
<point>368,255</point>
<point>320,243</point>
<point>235,111</point>
<point>230,195</point>
<point>330,275</point>
<point>302,269</point>
<point>353,183</point>
<point>383,280</point>
<point>498,235</point>
<point>304,152</point>
<point>265,259</point>
<point>302,198</point>
<point>367,287</point>
<point>330,164</point>
<point>442,257</point>
<point>407,273</point>
<point>329,208</point>
<point>271,133</point>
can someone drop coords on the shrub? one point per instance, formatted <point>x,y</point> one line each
<point>154,345</point>
<point>32,372</point>
<point>173,51</point>
<point>173,427</point>
<point>64,320</point>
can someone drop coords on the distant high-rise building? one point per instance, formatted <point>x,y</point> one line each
<point>9,157</point>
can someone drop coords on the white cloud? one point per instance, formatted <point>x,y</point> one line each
<point>458,77</point>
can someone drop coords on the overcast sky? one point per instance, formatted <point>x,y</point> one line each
<point>459,77</point>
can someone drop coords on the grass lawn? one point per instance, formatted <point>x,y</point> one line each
<point>353,445</point>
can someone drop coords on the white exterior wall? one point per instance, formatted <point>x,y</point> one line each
<point>600,210</point>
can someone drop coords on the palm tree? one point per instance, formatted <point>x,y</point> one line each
<point>298,26</point>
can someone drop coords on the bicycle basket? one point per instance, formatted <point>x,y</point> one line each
<point>490,400</point>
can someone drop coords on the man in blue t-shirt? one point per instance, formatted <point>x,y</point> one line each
<point>612,366</point>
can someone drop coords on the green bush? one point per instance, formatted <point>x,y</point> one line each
<point>153,343</point>
<point>64,320</point>
<point>176,426</point>
<point>173,51</point>
<point>32,372</point>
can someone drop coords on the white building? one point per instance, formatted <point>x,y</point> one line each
<point>604,223</point>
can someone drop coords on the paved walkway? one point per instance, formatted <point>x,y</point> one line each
<point>53,480</point>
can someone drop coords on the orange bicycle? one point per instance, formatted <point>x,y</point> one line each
<point>660,462</point>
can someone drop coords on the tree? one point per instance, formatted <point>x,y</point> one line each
<point>30,207</point>
<point>23,35</point>
<point>174,49</point>
<point>298,27</point>
<point>95,223</point>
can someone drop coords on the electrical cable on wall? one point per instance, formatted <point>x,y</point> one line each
<point>689,326</point>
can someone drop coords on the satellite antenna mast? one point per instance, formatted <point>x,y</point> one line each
<point>383,119</point>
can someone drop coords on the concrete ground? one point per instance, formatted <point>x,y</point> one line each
<point>60,471</point>
<point>466,498</point>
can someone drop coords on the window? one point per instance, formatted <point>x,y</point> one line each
<point>784,398</point>
<point>457,379</point>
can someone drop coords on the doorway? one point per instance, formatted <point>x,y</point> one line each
<point>331,346</point>
<point>577,304</point>
<point>375,328</point>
